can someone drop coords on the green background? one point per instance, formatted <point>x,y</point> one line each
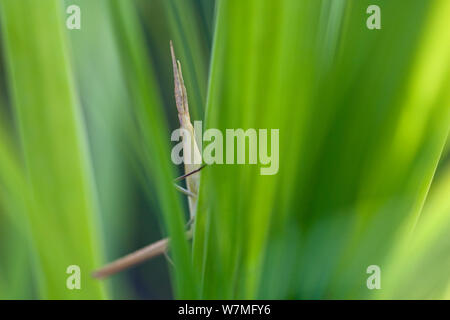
<point>364,178</point>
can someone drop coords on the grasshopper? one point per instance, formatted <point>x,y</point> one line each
<point>192,165</point>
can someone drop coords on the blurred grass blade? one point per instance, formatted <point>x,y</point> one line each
<point>102,86</point>
<point>153,129</point>
<point>16,251</point>
<point>61,207</point>
<point>418,265</point>
<point>363,117</point>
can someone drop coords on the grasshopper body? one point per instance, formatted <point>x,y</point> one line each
<point>191,154</point>
<point>192,165</point>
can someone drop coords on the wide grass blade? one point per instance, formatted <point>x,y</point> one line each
<point>105,103</point>
<point>16,263</point>
<point>363,116</point>
<point>61,201</point>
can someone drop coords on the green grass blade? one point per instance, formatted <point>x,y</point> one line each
<point>16,263</point>
<point>105,103</point>
<point>363,117</point>
<point>61,207</point>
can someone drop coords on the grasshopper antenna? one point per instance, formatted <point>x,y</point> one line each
<point>189,174</point>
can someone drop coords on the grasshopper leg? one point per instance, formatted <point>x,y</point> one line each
<point>185,191</point>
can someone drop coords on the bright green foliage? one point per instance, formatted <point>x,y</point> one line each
<point>363,117</point>
<point>59,198</point>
